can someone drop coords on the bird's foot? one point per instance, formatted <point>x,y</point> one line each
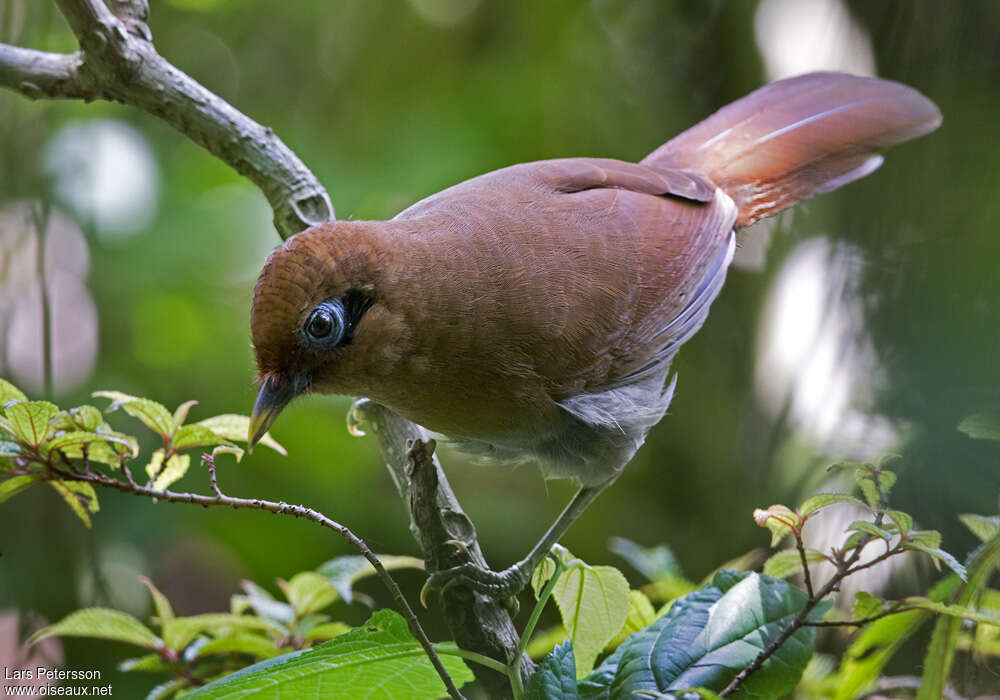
<point>502,585</point>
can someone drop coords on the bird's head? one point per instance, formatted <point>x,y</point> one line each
<point>317,321</point>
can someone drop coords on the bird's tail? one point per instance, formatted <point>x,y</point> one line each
<point>797,138</point>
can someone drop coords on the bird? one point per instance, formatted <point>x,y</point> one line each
<point>532,313</point>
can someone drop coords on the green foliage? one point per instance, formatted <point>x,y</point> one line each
<point>344,572</point>
<point>555,678</point>
<point>380,659</point>
<point>593,602</point>
<point>39,442</point>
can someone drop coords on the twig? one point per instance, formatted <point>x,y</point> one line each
<point>844,569</point>
<point>280,508</point>
<point>800,545</point>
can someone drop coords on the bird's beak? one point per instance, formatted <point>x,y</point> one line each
<point>275,394</point>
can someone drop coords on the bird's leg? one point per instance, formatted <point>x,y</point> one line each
<point>510,581</point>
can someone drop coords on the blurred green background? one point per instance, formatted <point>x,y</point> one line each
<point>864,322</point>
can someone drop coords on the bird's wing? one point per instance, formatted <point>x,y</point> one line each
<point>617,262</point>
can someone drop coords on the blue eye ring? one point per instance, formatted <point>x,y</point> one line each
<point>327,324</point>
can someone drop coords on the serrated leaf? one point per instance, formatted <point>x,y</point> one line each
<point>869,529</point>
<point>262,603</point>
<point>164,476</point>
<point>938,554</point>
<point>100,623</point>
<point>378,661</point>
<point>88,418</point>
<point>902,521</point>
<point>779,519</point>
<point>232,426</point>
<point>78,438</point>
<point>327,630</point>
<point>822,500</point>
<point>29,420</point>
<point>153,414</point>
<point>982,526</point>
<point>708,637</point>
<point>16,484</point>
<point>9,392</point>
<point>181,631</point>
<point>655,563</point>
<point>163,608</point>
<point>344,572</point>
<point>196,435</point>
<point>79,496</point>
<point>981,426</point>
<point>593,603</point>
<point>555,678</point>
<point>309,592</point>
<point>928,538</point>
<point>181,412</point>
<point>240,643</point>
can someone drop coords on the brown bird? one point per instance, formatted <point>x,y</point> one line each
<point>532,312</point>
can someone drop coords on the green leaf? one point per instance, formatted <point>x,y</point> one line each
<point>982,526</point>
<point>788,562</point>
<point>869,529</point>
<point>822,500</point>
<point>87,418</point>
<point>708,637</point>
<point>154,416</point>
<point>236,427</point>
<point>641,615</point>
<point>593,602</point>
<point>180,631</point>
<point>655,563</point>
<point>779,519</point>
<point>941,651</point>
<point>344,572</point>
<point>67,441</point>
<point>236,452</point>
<point>100,623</point>
<point>963,612</point>
<point>163,609</point>
<point>164,476</point>
<point>262,603</point>
<point>378,661</point>
<point>29,420</point>
<point>981,426</point>
<point>181,413</point>
<point>168,689</point>
<point>326,631</point>
<point>902,521</point>
<point>555,678</point>
<point>152,663</point>
<point>240,643</point>
<point>309,592</point>
<point>9,392</point>
<point>196,435</point>
<point>16,484</point>
<point>927,538</point>
<point>79,496</point>
<point>866,605</point>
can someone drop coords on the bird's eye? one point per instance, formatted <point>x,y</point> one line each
<point>326,324</point>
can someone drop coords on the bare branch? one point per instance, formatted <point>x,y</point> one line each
<point>279,508</point>
<point>118,62</point>
<point>38,74</point>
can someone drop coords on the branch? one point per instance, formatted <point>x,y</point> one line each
<point>447,538</point>
<point>279,508</point>
<point>118,61</point>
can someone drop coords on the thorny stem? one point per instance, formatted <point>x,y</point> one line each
<point>279,508</point>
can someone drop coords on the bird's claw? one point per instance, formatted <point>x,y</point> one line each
<point>497,584</point>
